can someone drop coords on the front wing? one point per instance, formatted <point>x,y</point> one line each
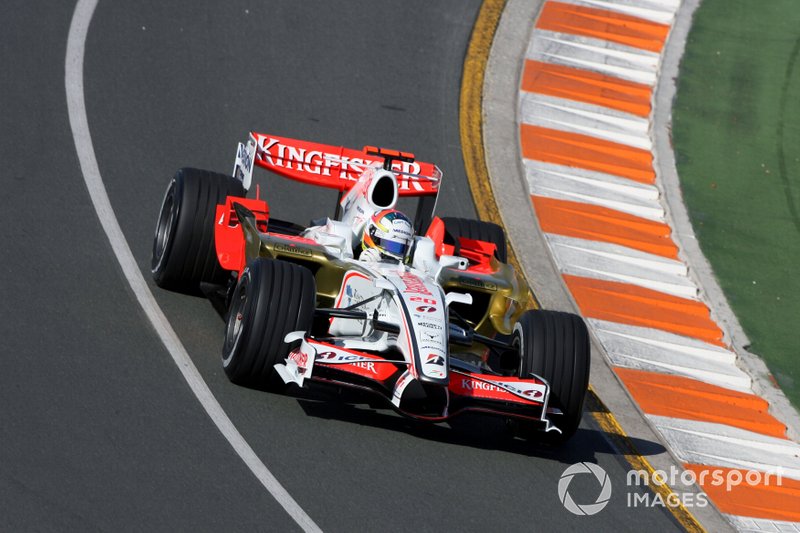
<point>467,390</point>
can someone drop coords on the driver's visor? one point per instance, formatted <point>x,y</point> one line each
<point>392,247</point>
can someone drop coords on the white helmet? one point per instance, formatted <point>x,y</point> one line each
<point>390,233</point>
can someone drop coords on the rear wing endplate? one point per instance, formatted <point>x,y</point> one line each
<point>243,166</point>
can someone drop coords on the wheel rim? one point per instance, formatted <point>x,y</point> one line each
<point>235,325</point>
<point>164,227</point>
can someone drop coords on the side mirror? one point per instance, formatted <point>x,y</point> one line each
<point>453,261</point>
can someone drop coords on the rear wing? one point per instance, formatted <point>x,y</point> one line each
<point>335,167</point>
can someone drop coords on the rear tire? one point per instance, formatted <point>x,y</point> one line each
<point>271,299</point>
<point>555,346</point>
<point>477,230</point>
<point>184,254</point>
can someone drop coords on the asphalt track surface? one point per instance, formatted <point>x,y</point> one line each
<point>99,429</point>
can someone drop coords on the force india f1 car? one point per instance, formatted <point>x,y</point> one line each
<point>443,332</point>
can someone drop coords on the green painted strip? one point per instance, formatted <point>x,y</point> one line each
<point>737,141</point>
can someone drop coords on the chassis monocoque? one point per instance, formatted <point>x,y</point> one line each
<point>446,331</point>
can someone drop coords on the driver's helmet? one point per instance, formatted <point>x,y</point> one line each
<point>390,233</point>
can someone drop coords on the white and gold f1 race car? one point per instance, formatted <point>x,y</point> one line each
<point>443,331</point>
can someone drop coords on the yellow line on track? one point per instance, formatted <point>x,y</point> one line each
<point>471,120</point>
<point>614,432</point>
<point>472,146</point>
<point>470,109</point>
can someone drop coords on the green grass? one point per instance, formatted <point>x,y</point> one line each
<point>736,130</point>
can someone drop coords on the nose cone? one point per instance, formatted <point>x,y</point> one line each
<point>425,399</point>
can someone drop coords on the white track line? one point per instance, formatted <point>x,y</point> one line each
<point>73,80</point>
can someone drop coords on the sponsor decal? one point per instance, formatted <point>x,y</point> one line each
<point>469,384</point>
<point>297,238</point>
<point>362,365</point>
<point>426,309</point>
<point>414,284</point>
<point>435,359</point>
<point>370,367</point>
<point>429,325</point>
<point>311,161</point>
<point>292,249</point>
<point>432,347</point>
<point>352,295</point>
<point>400,228</point>
<point>526,390</point>
<point>300,358</point>
<point>340,357</point>
<point>531,393</point>
<point>244,157</point>
<point>436,318</point>
<point>429,336</point>
<point>277,154</point>
<point>477,283</point>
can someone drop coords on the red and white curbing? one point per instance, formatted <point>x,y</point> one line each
<point>585,113</point>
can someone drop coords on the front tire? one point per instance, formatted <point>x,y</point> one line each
<point>271,299</point>
<point>555,346</point>
<point>184,254</point>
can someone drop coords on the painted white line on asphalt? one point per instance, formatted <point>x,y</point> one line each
<point>73,80</point>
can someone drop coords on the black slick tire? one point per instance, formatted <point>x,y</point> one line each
<point>184,254</point>
<point>555,346</point>
<point>272,298</point>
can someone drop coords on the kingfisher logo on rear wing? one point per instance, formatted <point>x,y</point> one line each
<point>338,167</point>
